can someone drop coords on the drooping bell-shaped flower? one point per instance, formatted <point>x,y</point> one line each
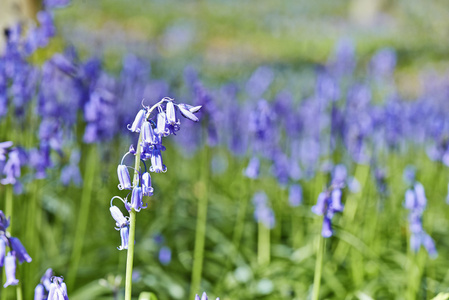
<point>19,250</point>
<point>161,124</point>
<point>187,112</point>
<point>171,114</point>
<point>58,290</point>
<point>138,121</point>
<point>10,270</point>
<point>118,216</point>
<point>124,236</point>
<point>156,162</point>
<point>147,189</point>
<point>148,135</point>
<point>136,198</point>
<point>123,177</point>
<point>39,292</point>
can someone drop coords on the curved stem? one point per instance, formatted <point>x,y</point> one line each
<point>132,227</point>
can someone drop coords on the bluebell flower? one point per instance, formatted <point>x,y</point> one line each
<point>4,221</point>
<point>118,216</point>
<point>50,4</point>
<point>203,297</point>
<point>71,172</point>
<point>39,292</point>
<point>156,162</point>
<point>58,289</point>
<point>165,255</point>
<point>328,203</point>
<point>19,250</point>
<point>415,201</point>
<point>123,177</point>
<point>252,170</point>
<point>124,236</point>
<point>263,213</point>
<point>148,135</point>
<point>295,195</point>
<point>259,81</point>
<point>136,199</point>
<point>147,189</point>
<point>10,270</point>
<point>138,121</point>
<point>188,111</point>
<point>12,167</point>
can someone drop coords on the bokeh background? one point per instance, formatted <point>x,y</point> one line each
<point>228,56</point>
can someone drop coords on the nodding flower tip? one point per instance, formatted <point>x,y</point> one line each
<point>203,297</point>
<point>136,199</point>
<point>118,216</point>
<point>188,111</point>
<point>123,177</point>
<point>138,120</point>
<point>58,289</point>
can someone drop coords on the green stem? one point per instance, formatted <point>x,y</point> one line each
<point>245,186</point>
<point>32,234</point>
<point>263,244</point>
<point>19,291</point>
<point>83,216</point>
<point>133,215</point>
<point>318,269</point>
<point>132,227</point>
<point>200,234</point>
<point>8,213</point>
<point>9,204</point>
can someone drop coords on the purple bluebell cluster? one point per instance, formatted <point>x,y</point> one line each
<point>416,202</point>
<point>16,252</point>
<point>51,287</point>
<point>329,201</point>
<point>152,124</point>
<point>203,297</point>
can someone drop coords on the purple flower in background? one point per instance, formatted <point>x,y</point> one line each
<point>383,63</point>
<point>263,213</point>
<point>165,255</point>
<point>252,170</point>
<point>50,4</point>
<point>415,202</point>
<point>71,172</point>
<point>259,81</point>
<point>295,195</point>
<point>11,168</point>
